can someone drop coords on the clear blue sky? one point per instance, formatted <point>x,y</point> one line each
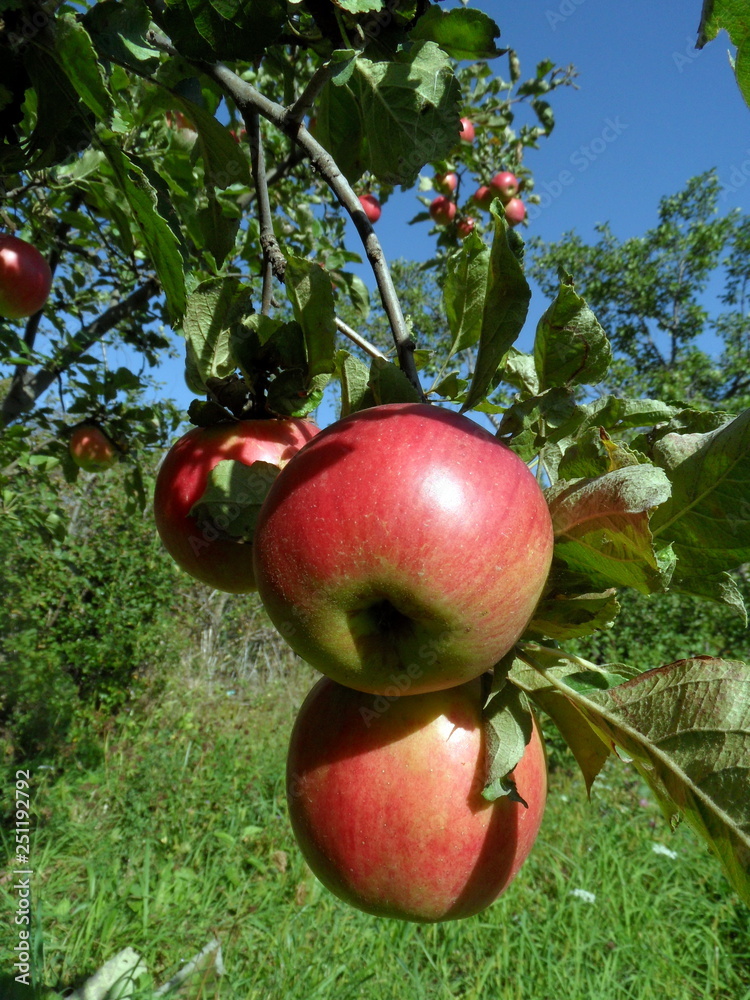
<point>650,112</point>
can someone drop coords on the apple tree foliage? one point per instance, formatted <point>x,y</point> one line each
<point>118,160</point>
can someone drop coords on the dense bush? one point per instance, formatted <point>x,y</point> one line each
<point>83,615</point>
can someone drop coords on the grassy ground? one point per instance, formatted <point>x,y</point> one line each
<point>181,834</point>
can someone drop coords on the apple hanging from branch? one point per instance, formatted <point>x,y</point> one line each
<point>91,449</point>
<point>204,549</point>
<point>385,800</point>
<point>403,541</point>
<point>25,278</point>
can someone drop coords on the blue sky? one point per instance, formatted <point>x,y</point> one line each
<point>649,112</point>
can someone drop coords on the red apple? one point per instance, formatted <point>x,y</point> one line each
<point>445,183</point>
<point>505,184</point>
<point>371,206</point>
<point>443,210</point>
<point>403,541</point>
<point>25,278</point>
<point>465,226</point>
<point>483,197</point>
<point>91,449</point>
<point>515,211</point>
<point>386,806</point>
<point>204,550</point>
<point>466,132</point>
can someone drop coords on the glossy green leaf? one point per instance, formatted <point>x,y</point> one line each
<point>462,33</point>
<point>732,17</point>
<point>464,292</point>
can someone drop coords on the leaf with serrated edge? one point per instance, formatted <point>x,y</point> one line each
<point>388,384</point>
<point>731,15</point>
<point>602,526</point>
<point>508,726</point>
<point>410,108</point>
<point>213,309</point>
<point>570,346</point>
<point>585,743</point>
<point>308,288</point>
<point>76,55</point>
<point>354,376</point>
<point>160,239</point>
<point>464,290</point>
<point>562,616</point>
<point>686,725</point>
<point>506,303</point>
<point>708,515</point>
<point>233,497</point>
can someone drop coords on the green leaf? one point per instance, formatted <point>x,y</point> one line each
<point>233,497</point>
<point>531,424</point>
<point>617,412</point>
<point>462,33</point>
<point>224,161</point>
<point>594,453</point>
<point>393,116</point>
<point>162,243</point>
<point>506,303</point>
<point>293,394</point>
<point>602,526</point>
<point>720,588</point>
<point>220,29</point>
<point>76,56</point>
<point>731,16</point>
<point>544,689</point>
<point>354,376</point>
<point>360,6</point>
<point>570,347</point>
<point>520,371</point>
<point>464,292</point>
<point>686,726</point>
<point>119,32</point>
<point>214,310</point>
<point>308,288</point>
<point>508,725</point>
<point>388,384</point>
<point>564,614</point>
<point>707,518</point>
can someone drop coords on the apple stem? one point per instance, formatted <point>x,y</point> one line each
<point>247,100</point>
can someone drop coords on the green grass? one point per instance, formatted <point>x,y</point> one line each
<point>181,834</point>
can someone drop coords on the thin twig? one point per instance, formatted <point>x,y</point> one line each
<point>359,340</point>
<point>271,250</point>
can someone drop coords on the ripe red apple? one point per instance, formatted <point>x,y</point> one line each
<point>483,197</point>
<point>466,132</point>
<point>25,278</point>
<point>515,211</point>
<point>202,549</point>
<point>386,806</point>
<point>465,226</point>
<point>91,449</point>
<point>443,210</point>
<point>445,183</point>
<point>371,206</point>
<point>403,541</point>
<point>505,184</point>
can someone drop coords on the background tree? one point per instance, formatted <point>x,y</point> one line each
<point>651,294</point>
